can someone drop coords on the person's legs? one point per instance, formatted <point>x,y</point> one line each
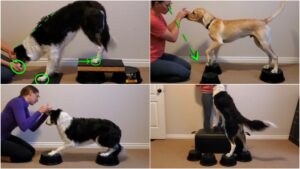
<point>174,58</point>
<point>207,102</point>
<point>168,71</point>
<point>6,73</point>
<point>13,149</point>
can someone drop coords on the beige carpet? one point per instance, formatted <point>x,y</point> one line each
<point>85,158</point>
<point>265,154</point>
<point>243,73</point>
<point>69,76</point>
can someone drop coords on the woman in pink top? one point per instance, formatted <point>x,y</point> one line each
<point>166,67</point>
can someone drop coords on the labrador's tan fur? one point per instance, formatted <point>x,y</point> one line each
<point>224,31</point>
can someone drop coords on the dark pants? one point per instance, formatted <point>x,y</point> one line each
<point>170,68</point>
<point>207,101</point>
<point>17,149</point>
<point>6,73</point>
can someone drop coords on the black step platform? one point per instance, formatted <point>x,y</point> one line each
<point>107,65</point>
<point>211,141</point>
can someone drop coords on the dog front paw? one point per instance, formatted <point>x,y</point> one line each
<point>52,153</point>
<point>274,71</point>
<point>95,60</point>
<point>266,66</point>
<point>42,78</point>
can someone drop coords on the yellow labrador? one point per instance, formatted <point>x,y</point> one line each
<point>224,31</point>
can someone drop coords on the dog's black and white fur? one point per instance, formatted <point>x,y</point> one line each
<point>81,131</point>
<point>233,120</point>
<point>56,30</point>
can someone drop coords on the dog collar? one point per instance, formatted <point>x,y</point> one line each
<point>207,26</point>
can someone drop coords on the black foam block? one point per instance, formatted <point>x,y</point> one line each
<point>210,78</point>
<point>53,79</point>
<point>90,77</point>
<point>215,68</point>
<point>130,76</point>
<point>211,141</point>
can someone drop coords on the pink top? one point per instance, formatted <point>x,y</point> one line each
<point>158,28</point>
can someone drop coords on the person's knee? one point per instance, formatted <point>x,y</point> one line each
<point>23,156</point>
<point>6,75</point>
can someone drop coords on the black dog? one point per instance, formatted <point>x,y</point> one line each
<point>56,30</point>
<point>77,131</point>
<point>234,120</point>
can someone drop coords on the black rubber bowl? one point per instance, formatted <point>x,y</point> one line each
<point>110,160</point>
<point>228,161</point>
<point>244,156</point>
<point>269,77</point>
<point>215,68</point>
<point>208,159</point>
<point>210,78</point>
<point>50,160</point>
<point>194,155</point>
<point>90,77</point>
<point>131,76</point>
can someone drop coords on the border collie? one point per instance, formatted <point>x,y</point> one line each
<point>233,120</point>
<point>56,30</point>
<point>81,131</point>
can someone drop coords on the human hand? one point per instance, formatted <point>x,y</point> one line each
<point>17,67</point>
<point>12,55</point>
<point>182,13</point>
<point>45,108</point>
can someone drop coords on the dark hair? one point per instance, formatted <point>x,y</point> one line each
<point>153,2</point>
<point>26,90</point>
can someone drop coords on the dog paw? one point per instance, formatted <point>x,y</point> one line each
<point>266,66</point>
<point>51,153</point>
<point>42,78</point>
<point>274,71</point>
<point>95,60</point>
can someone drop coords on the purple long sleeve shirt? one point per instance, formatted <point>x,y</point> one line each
<point>15,114</point>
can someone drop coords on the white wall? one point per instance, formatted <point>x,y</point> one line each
<point>126,105</point>
<point>285,30</point>
<point>128,22</point>
<point>276,103</point>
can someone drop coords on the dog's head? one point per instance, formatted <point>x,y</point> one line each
<point>54,116</point>
<point>219,88</point>
<point>21,53</point>
<point>200,15</point>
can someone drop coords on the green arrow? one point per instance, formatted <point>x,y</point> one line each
<point>85,61</point>
<point>185,38</point>
<point>170,10</point>
<point>194,55</point>
<point>177,23</point>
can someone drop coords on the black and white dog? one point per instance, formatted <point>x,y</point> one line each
<point>233,120</point>
<point>56,30</point>
<point>81,131</point>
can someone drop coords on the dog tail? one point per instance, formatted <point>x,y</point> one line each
<point>258,125</point>
<point>278,11</point>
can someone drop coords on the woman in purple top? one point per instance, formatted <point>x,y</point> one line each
<point>16,114</point>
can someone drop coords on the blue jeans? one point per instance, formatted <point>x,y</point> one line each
<point>6,73</point>
<point>170,68</point>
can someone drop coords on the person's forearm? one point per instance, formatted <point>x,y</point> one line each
<point>5,63</point>
<point>173,28</point>
<point>5,47</point>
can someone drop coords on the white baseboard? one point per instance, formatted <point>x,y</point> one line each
<point>252,137</point>
<point>56,144</point>
<point>146,62</point>
<point>74,61</point>
<point>249,59</point>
